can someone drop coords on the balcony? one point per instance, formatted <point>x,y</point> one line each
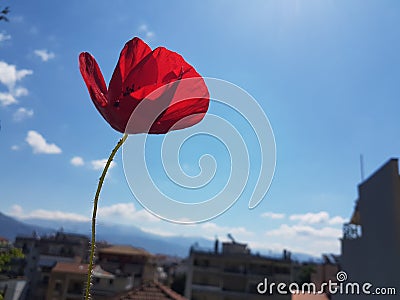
<point>351,231</point>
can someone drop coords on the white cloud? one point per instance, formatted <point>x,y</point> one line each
<point>4,37</point>
<point>77,161</point>
<point>126,213</point>
<point>9,76</point>
<point>313,247</point>
<point>20,91</point>
<point>159,231</point>
<point>145,30</point>
<point>211,229</point>
<point>273,215</point>
<point>305,231</point>
<point>321,217</point>
<point>44,54</point>
<point>40,145</point>
<point>7,99</point>
<point>120,209</point>
<point>22,113</point>
<point>15,147</point>
<point>206,230</point>
<point>18,212</point>
<point>144,215</point>
<point>99,164</point>
<point>303,239</point>
<point>337,220</point>
<point>311,218</point>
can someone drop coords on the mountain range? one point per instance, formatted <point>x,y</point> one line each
<point>117,234</point>
<point>114,234</point>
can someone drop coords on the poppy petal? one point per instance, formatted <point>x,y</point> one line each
<point>177,105</point>
<point>93,78</point>
<point>148,87</point>
<point>159,67</point>
<point>133,53</point>
<point>188,106</point>
<point>165,107</point>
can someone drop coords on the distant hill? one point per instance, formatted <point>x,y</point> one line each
<point>114,234</point>
<point>119,234</point>
<point>10,228</point>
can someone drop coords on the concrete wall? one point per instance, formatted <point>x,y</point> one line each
<point>375,256</point>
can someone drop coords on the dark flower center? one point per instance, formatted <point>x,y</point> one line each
<point>128,90</point>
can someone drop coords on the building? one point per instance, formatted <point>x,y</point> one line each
<point>234,273</point>
<point>4,242</point>
<point>325,271</point>
<point>371,240</point>
<point>68,281</point>
<point>59,244</point>
<point>12,285</point>
<point>169,268</point>
<point>309,297</point>
<point>43,253</point>
<point>128,261</point>
<point>55,267</point>
<point>13,288</point>
<point>118,269</point>
<point>152,291</point>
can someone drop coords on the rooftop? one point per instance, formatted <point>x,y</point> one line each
<point>3,240</point>
<point>309,297</point>
<point>124,250</point>
<point>76,268</point>
<point>152,291</point>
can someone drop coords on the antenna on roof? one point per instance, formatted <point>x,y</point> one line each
<point>362,167</point>
<point>231,238</point>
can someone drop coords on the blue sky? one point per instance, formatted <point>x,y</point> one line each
<point>326,74</point>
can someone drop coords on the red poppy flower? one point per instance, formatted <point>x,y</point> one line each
<point>155,79</point>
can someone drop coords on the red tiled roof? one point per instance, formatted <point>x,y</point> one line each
<point>124,250</point>
<point>152,291</point>
<point>3,240</point>
<point>309,297</point>
<point>67,267</point>
<point>77,268</point>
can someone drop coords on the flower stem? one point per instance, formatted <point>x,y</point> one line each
<point>96,200</point>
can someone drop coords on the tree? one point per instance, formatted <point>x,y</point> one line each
<point>7,254</point>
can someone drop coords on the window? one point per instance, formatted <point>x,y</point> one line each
<point>58,286</point>
<point>75,287</point>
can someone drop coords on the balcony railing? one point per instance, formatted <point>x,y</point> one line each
<point>351,231</point>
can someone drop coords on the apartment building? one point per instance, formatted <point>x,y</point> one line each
<point>43,253</point>
<point>126,260</point>
<point>371,239</point>
<point>234,273</point>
